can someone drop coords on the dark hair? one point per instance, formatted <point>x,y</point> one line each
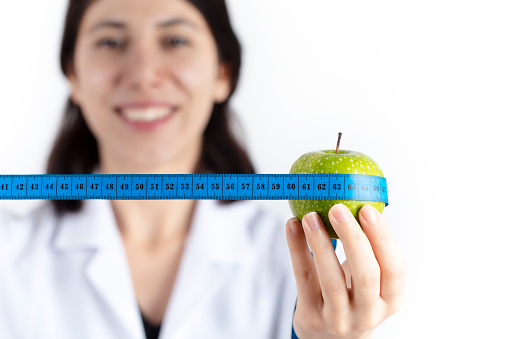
<point>75,150</point>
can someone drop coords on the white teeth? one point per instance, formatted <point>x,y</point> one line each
<point>146,114</point>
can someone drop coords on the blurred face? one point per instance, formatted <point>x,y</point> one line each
<point>146,76</point>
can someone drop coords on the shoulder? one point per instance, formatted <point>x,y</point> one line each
<point>19,232</point>
<point>243,228</point>
<point>262,226</point>
<point>265,232</point>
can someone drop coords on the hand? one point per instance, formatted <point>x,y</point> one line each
<point>327,307</point>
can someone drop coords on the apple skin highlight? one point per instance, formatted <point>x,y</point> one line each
<point>330,162</point>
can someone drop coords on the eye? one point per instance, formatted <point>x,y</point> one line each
<point>111,43</point>
<point>176,42</point>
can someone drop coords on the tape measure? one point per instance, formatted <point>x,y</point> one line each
<point>194,186</point>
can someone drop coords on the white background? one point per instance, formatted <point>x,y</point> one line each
<point>421,87</point>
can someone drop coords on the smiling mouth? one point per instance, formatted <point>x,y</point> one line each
<point>146,115</point>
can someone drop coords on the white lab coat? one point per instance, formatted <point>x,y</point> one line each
<point>70,278</point>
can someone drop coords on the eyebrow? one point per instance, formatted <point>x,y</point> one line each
<point>121,25</point>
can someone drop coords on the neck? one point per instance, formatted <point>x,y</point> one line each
<point>150,224</point>
<point>153,224</point>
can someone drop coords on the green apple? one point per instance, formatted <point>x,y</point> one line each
<point>333,162</point>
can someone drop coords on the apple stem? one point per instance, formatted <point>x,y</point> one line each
<point>339,139</point>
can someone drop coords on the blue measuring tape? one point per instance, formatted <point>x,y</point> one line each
<point>194,186</point>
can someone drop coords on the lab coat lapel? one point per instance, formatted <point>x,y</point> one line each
<point>218,244</point>
<point>108,269</point>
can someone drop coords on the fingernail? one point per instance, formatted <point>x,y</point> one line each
<point>369,214</point>
<point>341,213</point>
<point>294,226</point>
<point>313,220</point>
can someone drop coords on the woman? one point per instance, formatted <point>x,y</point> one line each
<point>150,85</point>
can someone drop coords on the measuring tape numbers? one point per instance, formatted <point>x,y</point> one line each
<point>194,186</point>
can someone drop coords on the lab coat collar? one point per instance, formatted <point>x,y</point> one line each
<point>94,229</point>
<point>215,229</point>
<point>220,241</point>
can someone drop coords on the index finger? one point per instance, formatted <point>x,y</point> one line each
<point>308,286</point>
<point>330,273</point>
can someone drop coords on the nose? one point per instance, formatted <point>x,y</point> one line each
<point>142,68</point>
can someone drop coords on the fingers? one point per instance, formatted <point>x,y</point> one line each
<point>308,286</point>
<point>330,273</point>
<point>361,259</point>
<point>387,253</point>
<point>374,263</point>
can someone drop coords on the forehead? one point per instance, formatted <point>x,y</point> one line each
<point>140,14</point>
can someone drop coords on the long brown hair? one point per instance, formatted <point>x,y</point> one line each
<point>75,149</point>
